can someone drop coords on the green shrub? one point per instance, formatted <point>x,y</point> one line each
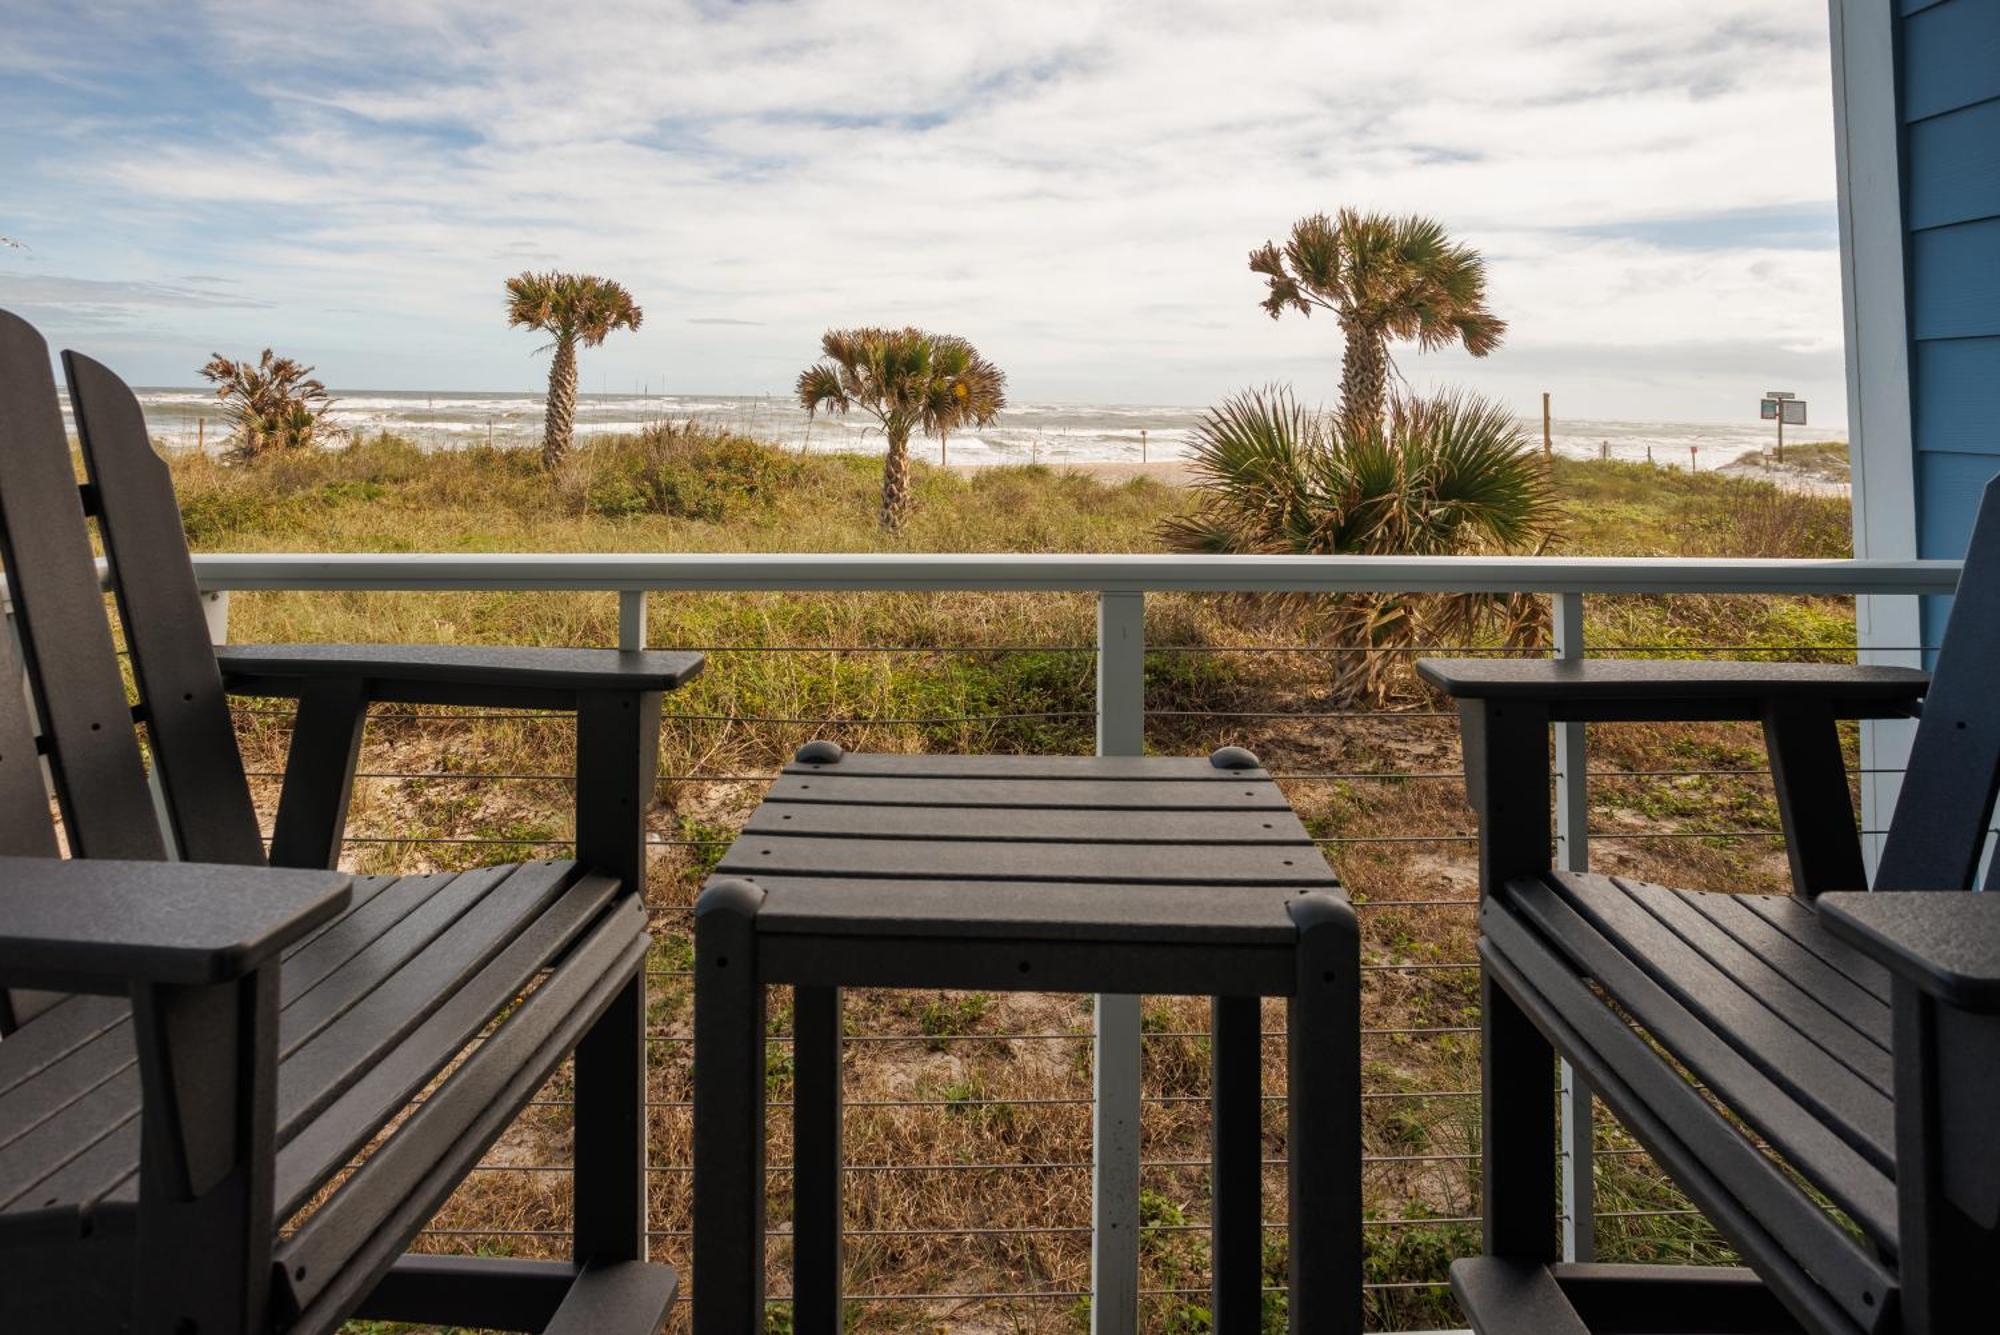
<point>683,474</point>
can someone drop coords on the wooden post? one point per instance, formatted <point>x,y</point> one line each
<point>1548,447</point>
<point>1142,444</point>
<point>1692,463</point>
<point>1781,433</point>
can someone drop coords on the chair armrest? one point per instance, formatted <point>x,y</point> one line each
<point>99,926</point>
<point>1946,942</point>
<point>1631,689</point>
<point>453,674</point>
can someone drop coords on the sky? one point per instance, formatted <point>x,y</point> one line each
<point>1074,185</point>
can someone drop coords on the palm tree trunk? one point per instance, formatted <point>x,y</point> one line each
<point>1364,375</point>
<point>896,479</point>
<point>559,421</point>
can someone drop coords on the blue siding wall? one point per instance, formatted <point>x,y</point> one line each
<point>1950,99</point>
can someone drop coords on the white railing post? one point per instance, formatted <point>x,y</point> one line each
<point>215,611</point>
<point>1114,1248</point>
<point>632,620</point>
<point>1579,1220</point>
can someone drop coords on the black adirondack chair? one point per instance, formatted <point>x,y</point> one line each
<point>215,1041</point>
<point>1820,1072</point>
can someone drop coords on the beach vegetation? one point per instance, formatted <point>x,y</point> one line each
<point>574,310</point>
<point>1383,278</point>
<point>272,405</point>
<point>986,1101</point>
<point>1450,475</point>
<point>910,381</point>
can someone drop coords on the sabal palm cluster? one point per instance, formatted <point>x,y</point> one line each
<point>1383,278</point>
<point>910,381</point>
<point>573,309</point>
<point>1442,476</point>
<point>271,404</point>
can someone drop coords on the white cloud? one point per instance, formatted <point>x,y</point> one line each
<point>1072,184</point>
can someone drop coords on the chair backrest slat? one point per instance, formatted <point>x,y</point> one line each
<point>93,750</point>
<point>26,829</point>
<point>195,754</point>
<point>1946,803</point>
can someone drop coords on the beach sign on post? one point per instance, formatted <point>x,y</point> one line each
<point>1782,406</point>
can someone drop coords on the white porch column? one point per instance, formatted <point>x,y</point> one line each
<point>1879,425</point>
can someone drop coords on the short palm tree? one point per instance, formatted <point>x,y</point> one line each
<point>1383,278</point>
<point>1443,476</point>
<point>967,391</point>
<point>908,380</point>
<point>573,309</point>
<point>271,404</point>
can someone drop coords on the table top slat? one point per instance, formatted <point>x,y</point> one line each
<point>1214,865</point>
<point>1017,910</point>
<point>1172,769</point>
<point>1028,824</point>
<point>1244,792</point>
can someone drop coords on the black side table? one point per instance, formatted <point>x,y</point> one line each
<point>1042,874</point>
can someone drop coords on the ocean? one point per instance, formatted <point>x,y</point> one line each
<point>1029,432</point>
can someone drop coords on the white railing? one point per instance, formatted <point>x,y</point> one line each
<point>1121,584</point>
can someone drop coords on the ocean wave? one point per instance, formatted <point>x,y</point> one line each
<point>1049,431</point>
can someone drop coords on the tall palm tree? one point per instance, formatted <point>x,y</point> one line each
<point>571,308</point>
<point>1383,278</point>
<point>908,380</point>
<point>1442,476</point>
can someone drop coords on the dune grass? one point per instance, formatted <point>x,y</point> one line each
<point>969,1111</point>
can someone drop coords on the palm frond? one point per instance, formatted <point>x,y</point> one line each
<point>1385,276</point>
<point>1440,476</point>
<point>582,307</point>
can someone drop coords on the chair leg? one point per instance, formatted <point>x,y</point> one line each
<point>816,1159</point>
<point>319,774</point>
<point>617,759</point>
<point>1236,1151</point>
<point>728,1113</point>
<point>208,1059</point>
<point>1323,1122</point>
<point>1947,1181</point>
<point>610,1137</point>
<point>617,769</point>
<point>1518,1131</point>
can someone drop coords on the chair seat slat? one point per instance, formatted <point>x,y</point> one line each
<point>393,1030</point>
<point>1792,921</point>
<point>319,1069</point>
<point>1816,1001</point>
<point>1852,1176</point>
<point>349,936</point>
<point>1728,1012</point>
<point>1805,972</point>
<point>315,1148</point>
<point>64,1027</point>
<point>312,1011</point>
